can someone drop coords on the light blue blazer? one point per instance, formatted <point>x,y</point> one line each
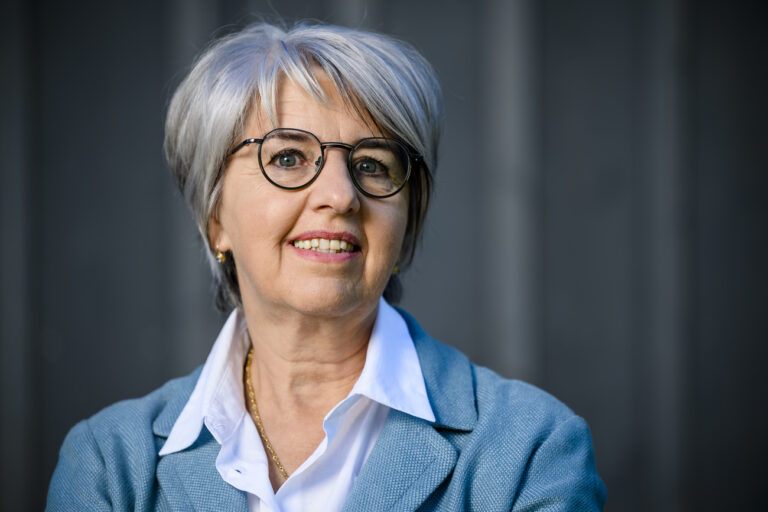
<point>496,444</point>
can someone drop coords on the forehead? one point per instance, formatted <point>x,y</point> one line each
<point>328,115</point>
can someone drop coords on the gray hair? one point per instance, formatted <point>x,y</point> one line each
<point>378,77</point>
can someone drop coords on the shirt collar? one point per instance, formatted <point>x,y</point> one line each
<point>391,376</point>
<point>392,373</point>
<point>218,392</point>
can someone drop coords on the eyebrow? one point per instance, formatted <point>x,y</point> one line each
<point>291,136</point>
<point>378,143</point>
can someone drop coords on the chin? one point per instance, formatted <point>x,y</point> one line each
<point>329,301</point>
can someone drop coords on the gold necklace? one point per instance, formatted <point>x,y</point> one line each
<point>257,419</point>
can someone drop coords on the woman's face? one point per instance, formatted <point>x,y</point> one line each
<point>260,223</point>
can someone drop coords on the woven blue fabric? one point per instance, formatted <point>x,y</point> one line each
<point>496,444</point>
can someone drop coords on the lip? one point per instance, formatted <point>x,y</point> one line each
<point>326,257</point>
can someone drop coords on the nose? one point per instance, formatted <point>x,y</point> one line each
<point>333,188</point>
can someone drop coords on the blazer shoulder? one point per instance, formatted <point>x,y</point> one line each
<point>510,399</point>
<point>544,446</point>
<point>173,393</point>
<point>127,416</point>
<point>126,430</point>
<point>108,460</point>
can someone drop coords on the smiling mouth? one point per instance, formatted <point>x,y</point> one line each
<point>329,245</point>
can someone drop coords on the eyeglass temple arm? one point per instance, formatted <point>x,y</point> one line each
<point>244,143</point>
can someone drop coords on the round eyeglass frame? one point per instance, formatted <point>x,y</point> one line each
<point>413,157</point>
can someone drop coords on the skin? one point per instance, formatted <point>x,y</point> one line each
<point>309,320</point>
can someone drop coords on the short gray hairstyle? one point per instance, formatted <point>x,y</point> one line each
<point>380,78</point>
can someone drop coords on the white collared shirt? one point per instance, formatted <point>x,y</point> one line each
<point>391,379</point>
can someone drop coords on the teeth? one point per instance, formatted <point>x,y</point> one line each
<point>324,245</point>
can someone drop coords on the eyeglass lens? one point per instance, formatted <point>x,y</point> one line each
<point>292,158</point>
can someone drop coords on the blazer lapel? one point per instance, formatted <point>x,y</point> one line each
<point>412,457</point>
<point>189,479</point>
<point>409,461</point>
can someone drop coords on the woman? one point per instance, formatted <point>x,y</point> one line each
<point>305,157</point>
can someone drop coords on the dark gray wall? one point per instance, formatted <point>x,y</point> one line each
<point>599,227</point>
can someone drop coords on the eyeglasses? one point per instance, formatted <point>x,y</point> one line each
<point>292,159</point>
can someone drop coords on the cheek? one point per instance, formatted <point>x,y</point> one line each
<point>392,229</point>
<point>403,215</point>
<point>401,226</point>
<point>257,220</point>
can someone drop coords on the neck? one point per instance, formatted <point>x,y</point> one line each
<point>307,363</point>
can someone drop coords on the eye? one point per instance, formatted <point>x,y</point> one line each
<point>288,159</point>
<point>370,167</point>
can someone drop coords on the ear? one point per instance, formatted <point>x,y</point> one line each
<point>217,236</point>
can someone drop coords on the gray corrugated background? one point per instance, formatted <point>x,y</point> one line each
<point>599,228</point>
